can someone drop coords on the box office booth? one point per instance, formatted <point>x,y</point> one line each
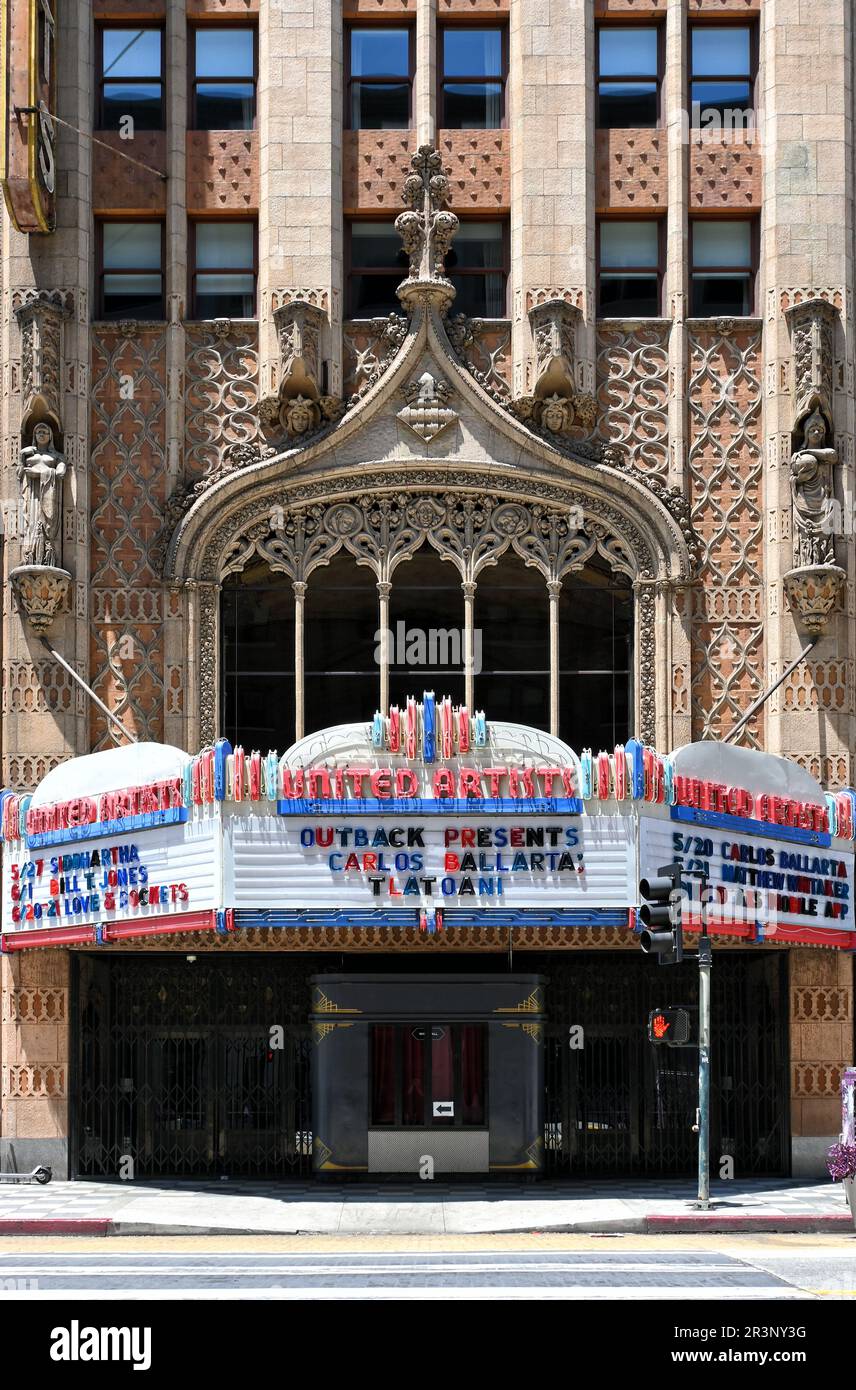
<point>427,1073</point>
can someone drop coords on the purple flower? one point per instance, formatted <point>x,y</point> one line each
<point>841,1161</point>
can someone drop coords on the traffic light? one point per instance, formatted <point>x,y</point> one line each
<point>660,914</point>
<point>672,1026</point>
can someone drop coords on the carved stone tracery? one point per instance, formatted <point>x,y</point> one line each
<point>383,528</point>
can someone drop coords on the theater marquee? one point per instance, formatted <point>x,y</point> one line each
<point>426,817</point>
<point>28,153</point>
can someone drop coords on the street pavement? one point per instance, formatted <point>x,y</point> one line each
<point>119,1208</point>
<point>689,1269</point>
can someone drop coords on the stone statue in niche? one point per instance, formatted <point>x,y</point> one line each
<point>41,469</point>
<point>812,489</point>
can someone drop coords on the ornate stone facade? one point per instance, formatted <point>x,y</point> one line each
<point>665,445</point>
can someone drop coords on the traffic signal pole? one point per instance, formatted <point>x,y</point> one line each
<point>705,961</point>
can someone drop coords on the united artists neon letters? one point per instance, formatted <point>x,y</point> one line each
<point>110,806</point>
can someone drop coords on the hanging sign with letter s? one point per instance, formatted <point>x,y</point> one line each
<point>28,152</point>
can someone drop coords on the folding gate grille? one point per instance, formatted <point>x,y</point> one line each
<point>179,1072</point>
<point>176,1068</point>
<point>618,1105</point>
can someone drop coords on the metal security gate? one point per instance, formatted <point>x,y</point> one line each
<point>619,1106</point>
<point>192,1067</point>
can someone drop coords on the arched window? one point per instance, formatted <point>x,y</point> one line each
<point>341,640</point>
<point>257,626</point>
<point>595,657</point>
<point>263,690</point>
<point>426,624</point>
<point>511,645</point>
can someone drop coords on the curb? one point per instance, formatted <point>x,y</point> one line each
<point>722,1225</point>
<point>641,1225</point>
<point>56,1226</point>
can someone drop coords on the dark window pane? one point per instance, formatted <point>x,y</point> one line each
<point>512,657</point>
<point>629,296</point>
<point>413,1077</point>
<point>477,245</point>
<point>131,52</point>
<point>225,296</point>
<point>225,106</point>
<point>141,101</point>
<point>383,1074</point>
<point>132,297</point>
<point>722,294</point>
<point>258,659</point>
<point>426,616</point>
<point>728,99</point>
<point>380,105</point>
<point>224,52</point>
<point>376,244</point>
<point>627,105</point>
<point>374,297</point>
<point>472,105</point>
<point>377,52</point>
<point>341,622</point>
<point>628,52</point>
<point>480,296</point>
<point>595,635</point>
<point>472,52</point>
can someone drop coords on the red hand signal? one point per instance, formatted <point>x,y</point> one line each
<point>660,1025</point>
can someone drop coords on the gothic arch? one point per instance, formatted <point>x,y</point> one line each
<point>552,508</point>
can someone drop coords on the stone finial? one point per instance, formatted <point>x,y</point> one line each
<point>555,406</point>
<point>300,405</point>
<point>427,230</point>
<point>812,329</point>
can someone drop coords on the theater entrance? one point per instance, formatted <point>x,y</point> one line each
<point>276,1065</point>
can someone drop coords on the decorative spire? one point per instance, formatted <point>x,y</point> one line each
<point>427,231</point>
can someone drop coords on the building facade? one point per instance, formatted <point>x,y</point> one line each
<point>485,346</point>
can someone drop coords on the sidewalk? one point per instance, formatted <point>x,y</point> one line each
<point>255,1208</point>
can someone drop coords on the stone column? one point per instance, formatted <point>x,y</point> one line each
<point>675,98</point>
<point>807,253</point>
<point>821,1045</point>
<point>554,590</point>
<point>425,81</point>
<point>45,715</point>
<point>299,587</point>
<point>551,121</point>
<point>300,210</point>
<point>176,234</point>
<point>469,589</point>
<point>36,1052</point>
<point>384,589</point>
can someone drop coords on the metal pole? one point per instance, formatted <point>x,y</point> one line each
<point>132,738</point>
<point>705,961</point>
<point>762,699</point>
